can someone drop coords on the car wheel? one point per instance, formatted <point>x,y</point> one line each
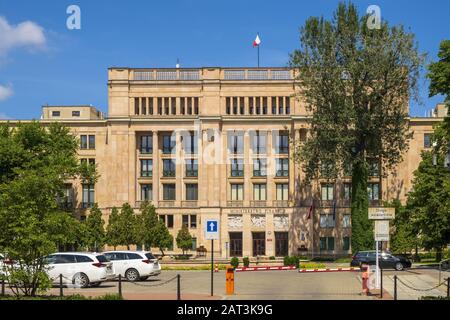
<point>132,275</point>
<point>81,280</point>
<point>143,278</point>
<point>399,266</point>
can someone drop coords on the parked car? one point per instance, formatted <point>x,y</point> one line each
<point>83,269</point>
<point>386,260</point>
<point>134,265</point>
<point>445,264</point>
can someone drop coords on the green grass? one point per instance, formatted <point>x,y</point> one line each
<point>343,260</point>
<point>312,265</point>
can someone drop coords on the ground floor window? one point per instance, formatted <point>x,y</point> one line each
<point>236,244</point>
<point>194,244</point>
<point>326,243</point>
<point>259,243</point>
<point>281,244</point>
<point>346,243</point>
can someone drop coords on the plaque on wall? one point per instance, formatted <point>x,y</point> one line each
<point>281,221</point>
<point>235,222</point>
<point>258,221</point>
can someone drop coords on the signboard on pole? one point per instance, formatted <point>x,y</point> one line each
<point>212,229</point>
<point>382,230</point>
<point>381,213</point>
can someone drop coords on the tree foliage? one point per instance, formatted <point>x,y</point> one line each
<point>127,226</point>
<point>439,73</point>
<point>35,161</point>
<point>112,229</point>
<point>94,233</point>
<point>184,239</point>
<point>355,82</point>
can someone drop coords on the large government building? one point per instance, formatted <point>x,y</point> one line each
<point>215,143</point>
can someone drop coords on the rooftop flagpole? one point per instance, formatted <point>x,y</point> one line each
<point>258,50</point>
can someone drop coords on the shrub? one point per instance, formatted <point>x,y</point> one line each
<point>234,262</point>
<point>272,258</point>
<point>246,262</point>
<point>292,261</point>
<point>182,257</point>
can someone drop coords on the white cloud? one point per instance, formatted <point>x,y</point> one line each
<point>5,92</point>
<point>26,34</point>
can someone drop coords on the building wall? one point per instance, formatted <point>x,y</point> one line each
<point>213,90</point>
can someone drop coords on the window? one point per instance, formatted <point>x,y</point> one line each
<point>346,221</point>
<point>258,105</point>
<point>228,103</point>
<point>194,244</point>
<point>282,167</point>
<point>259,167</point>
<point>189,105</point>
<point>237,192</point>
<point>282,191</point>
<point>146,168</point>
<point>185,220</point>
<point>56,113</point>
<point>327,192</point>
<point>280,105</point>
<point>331,222</point>
<point>374,168</point>
<point>236,143</point>
<point>193,221</point>
<point>167,220</point>
<point>288,105</point>
<point>190,144</point>
<point>242,105</point>
<point>235,105</point>
<point>91,142</point>
<point>191,191</point>
<point>282,143</point>
<point>146,144</point>
<point>373,190</point>
<point>182,105</point>
<point>264,105</point>
<point>259,142</point>
<point>259,192</point>
<point>84,142</point>
<point>327,243</point>
<point>168,168</point>
<point>88,195</point>
<point>274,105</point>
<point>191,168</point>
<point>136,106</point>
<point>237,167</point>
<point>75,113</point>
<point>346,243</point>
<point>146,192</point>
<point>323,221</point>
<point>347,191</point>
<point>427,140</point>
<point>168,191</point>
<point>196,105</point>
<point>166,106</point>
<point>173,105</point>
<point>168,143</point>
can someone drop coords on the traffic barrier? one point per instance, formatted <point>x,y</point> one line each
<point>265,268</point>
<point>216,268</point>
<point>328,270</point>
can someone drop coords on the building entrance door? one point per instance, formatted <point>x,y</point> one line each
<point>235,244</point>
<point>259,243</point>
<point>281,244</point>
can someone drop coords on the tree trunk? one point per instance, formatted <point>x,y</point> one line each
<point>438,254</point>
<point>362,228</point>
<point>162,252</point>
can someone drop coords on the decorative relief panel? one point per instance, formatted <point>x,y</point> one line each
<point>258,221</point>
<point>235,221</point>
<point>281,222</point>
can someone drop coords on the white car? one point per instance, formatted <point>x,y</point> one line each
<point>80,269</point>
<point>134,265</point>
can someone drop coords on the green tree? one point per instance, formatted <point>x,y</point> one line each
<point>35,162</point>
<point>429,203</point>
<point>163,238</point>
<point>355,82</point>
<point>184,239</point>
<point>404,234</point>
<point>439,73</point>
<point>112,229</point>
<point>127,226</point>
<point>95,231</point>
<point>147,222</point>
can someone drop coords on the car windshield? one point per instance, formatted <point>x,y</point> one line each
<point>150,256</point>
<point>102,258</point>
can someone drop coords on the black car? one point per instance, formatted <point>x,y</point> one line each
<point>386,260</point>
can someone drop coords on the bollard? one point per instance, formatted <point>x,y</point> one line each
<point>178,287</point>
<point>120,285</point>
<point>216,268</point>
<point>365,279</point>
<point>395,287</point>
<point>61,293</point>
<point>229,278</point>
<point>381,289</point>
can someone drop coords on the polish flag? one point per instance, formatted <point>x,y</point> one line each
<point>311,209</point>
<point>257,41</point>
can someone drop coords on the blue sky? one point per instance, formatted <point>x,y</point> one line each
<point>61,66</point>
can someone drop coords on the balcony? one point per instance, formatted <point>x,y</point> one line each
<point>282,173</point>
<point>259,174</point>
<point>237,173</point>
<point>280,203</point>
<point>189,204</point>
<point>146,174</point>
<point>145,151</point>
<point>168,173</point>
<point>258,203</point>
<point>235,203</point>
<point>191,174</point>
<point>166,203</point>
<point>166,75</point>
<point>257,74</point>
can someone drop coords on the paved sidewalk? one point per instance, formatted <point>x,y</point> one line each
<point>413,286</point>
